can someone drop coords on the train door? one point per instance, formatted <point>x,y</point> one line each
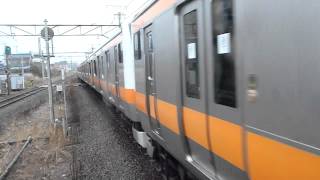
<point>95,77</point>
<point>89,72</point>
<point>194,109</point>
<point>224,121</point>
<point>151,95</point>
<point>103,73</point>
<point>116,70</point>
<point>92,72</point>
<point>108,73</point>
<point>98,72</point>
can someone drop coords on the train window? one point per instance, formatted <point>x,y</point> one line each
<point>94,67</point>
<point>108,58</point>
<point>224,63</point>
<point>191,56</point>
<point>90,68</point>
<point>116,54</point>
<point>120,53</point>
<point>150,43</point>
<point>137,46</point>
<point>98,65</point>
<point>102,67</point>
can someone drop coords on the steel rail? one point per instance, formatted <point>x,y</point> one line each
<point>6,171</point>
<point>18,97</point>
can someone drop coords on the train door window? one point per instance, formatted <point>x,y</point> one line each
<point>224,62</point>
<point>116,54</point>
<point>95,67</point>
<point>191,55</point>
<point>150,44</point>
<point>98,65</point>
<point>150,51</point>
<point>120,53</point>
<point>102,67</point>
<point>90,68</point>
<point>137,46</point>
<point>108,59</point>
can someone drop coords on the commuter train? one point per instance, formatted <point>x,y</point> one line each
<point>220,89</point>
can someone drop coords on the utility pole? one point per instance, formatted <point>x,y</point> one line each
<point>119,19</point>
<point>8,75</point>
<point>51,108</point>
<point>52,52</point>
<point>22,71</point>
<point>7,53</point>
<point>40,56</point>
<point>65,119</point>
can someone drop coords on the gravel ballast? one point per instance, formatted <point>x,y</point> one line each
<point>103,145</point>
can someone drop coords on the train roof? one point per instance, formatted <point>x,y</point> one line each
<point>108,44</point>
<point>150,12</point>
<point>154,9</point>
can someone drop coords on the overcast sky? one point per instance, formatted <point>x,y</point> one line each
<point>61,12</point>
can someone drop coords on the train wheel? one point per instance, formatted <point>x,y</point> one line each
<point>168,167</point>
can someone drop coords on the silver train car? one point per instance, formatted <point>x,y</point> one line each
<point>221,89</point>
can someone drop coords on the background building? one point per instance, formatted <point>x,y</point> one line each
<point>17,62</point>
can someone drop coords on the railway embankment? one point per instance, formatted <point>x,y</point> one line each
<point>47,156</point>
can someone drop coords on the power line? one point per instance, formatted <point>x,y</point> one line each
<point>71,29</point>
<point>75,52</point>
<point>58,35</point>
<point>56,25</point>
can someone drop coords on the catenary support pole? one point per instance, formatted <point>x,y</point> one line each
<point>40,56</point>
<point>51,108</point>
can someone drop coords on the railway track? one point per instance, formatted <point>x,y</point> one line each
<point>10,100</point>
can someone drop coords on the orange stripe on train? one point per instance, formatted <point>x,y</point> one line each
<point>226,141</point>
<point>140,102</point>
<point>270,159</point>
<point>116,40</point>
<point>168,115</point>
<point>195,126</point>
<point>152,107</point>
<point>225,138</point>
<point>127,95</point>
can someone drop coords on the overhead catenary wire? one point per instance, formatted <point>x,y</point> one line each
<point>134,13</point>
